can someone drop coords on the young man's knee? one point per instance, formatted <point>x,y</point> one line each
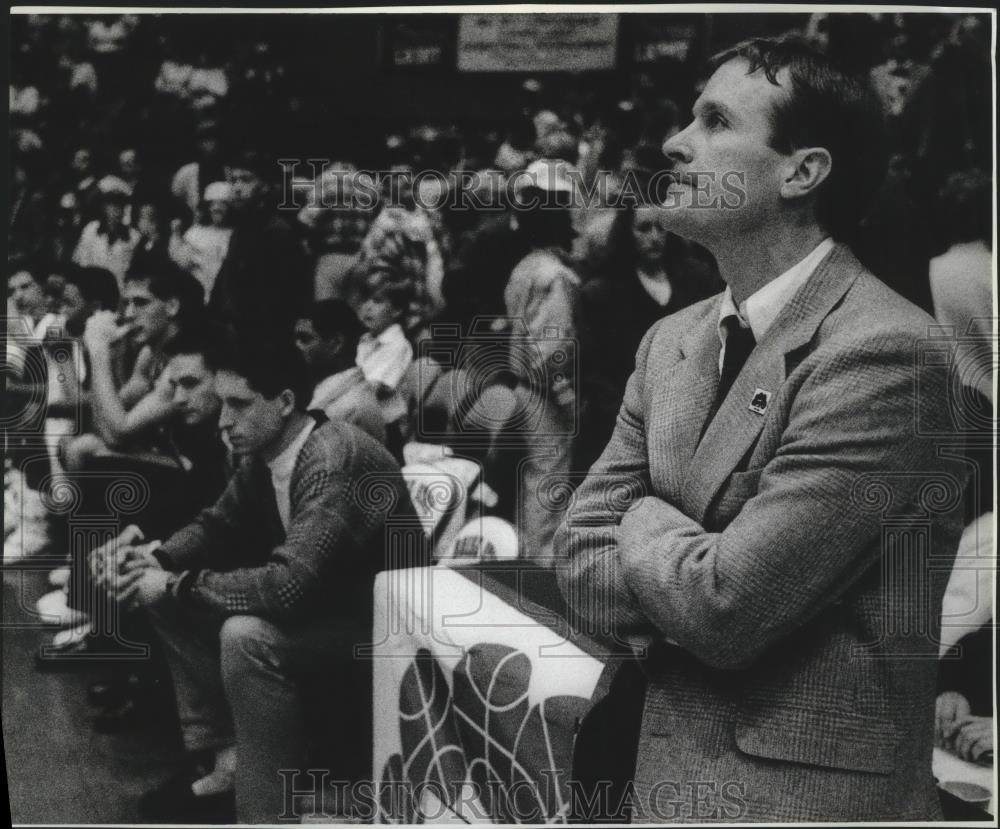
<point>243,639</point>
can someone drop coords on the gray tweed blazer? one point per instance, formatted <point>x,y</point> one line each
<point>780,580</point>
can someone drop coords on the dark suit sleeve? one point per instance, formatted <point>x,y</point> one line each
<point>586,545</point>
<point>850,452</point>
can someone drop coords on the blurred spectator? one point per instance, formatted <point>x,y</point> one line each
<point>108,242</point>
<point>264,282</point>
<point>28,220</point>
<point>82,181</point>
<point>111,40</point>
<point>66,228</point>
<point>541,301</point>
<point>483,257</point>
<point>337,223</point>
<point>151,246</point>
<point>384,353</point>
<point>203,247</point>
<point>648,274</point>
<point>961,279</point>
<point>143,184</point>
<point>328,339</point>
<point>190,181</point>
<point>87,291</point>
<point>24,99</point>
<point>404,243</point>
<point>26,295</point>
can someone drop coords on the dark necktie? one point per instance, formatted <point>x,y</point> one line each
<point>739,343</point>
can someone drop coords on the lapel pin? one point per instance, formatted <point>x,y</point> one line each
<point>758,404</point>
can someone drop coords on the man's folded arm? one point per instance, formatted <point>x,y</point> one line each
<point>587,553</point>
<point>807,535</point>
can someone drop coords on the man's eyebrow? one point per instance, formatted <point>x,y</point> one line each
<point>702,106</point>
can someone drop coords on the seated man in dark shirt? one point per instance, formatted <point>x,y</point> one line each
<point>200,469</point>
<point>270,587</point>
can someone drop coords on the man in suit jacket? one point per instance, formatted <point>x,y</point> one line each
<point>771,537</point>
<point>270,587</point>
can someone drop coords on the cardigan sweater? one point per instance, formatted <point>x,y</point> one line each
<point>350,517</point>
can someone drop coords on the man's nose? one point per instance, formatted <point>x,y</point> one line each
<point>226,419</point>
<point>677,148</point>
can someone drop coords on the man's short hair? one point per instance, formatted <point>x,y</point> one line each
<point>207,339</point>
<point>268,365</point>
<point>166,281</point>
<point>20,265</point>
<point>828,107</point>
<point>335,318</point>
<point>95,285</point>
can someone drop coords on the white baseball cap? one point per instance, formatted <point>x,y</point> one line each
<point>218,191</point>
<point>549,174</point>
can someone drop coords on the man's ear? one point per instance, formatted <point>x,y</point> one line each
<point>287,398</point>
<point>173,307</point>
<point>807,169</point>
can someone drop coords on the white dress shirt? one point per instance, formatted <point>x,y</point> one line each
<point>759,310</point>
<point>660,290</point>
<point>282,468</point>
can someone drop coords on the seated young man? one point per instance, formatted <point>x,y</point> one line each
<point>195,444</point>
<point>328,339</point>
<point>269,588</point>
<point>127,409</point>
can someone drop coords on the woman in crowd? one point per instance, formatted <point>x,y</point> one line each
<point>649,273</point>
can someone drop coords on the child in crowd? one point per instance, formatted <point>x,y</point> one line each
<point>384,352</point>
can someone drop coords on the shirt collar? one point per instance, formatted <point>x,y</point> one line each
<point>759,310</point>
<point>392,333</point>
<point>121,234</point>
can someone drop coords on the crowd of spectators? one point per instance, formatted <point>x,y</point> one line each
<point>152,228</point>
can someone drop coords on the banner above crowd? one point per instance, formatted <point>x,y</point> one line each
<point>537,42</point>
